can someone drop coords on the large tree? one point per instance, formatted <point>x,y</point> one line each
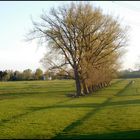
<point>79,36</point>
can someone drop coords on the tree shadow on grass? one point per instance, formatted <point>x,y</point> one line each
<point>87,105</point>
<point>81,120</point>
<point>96,107</point>
<point>133,134</point>
<point>29,111</point>
<point>27,93</point>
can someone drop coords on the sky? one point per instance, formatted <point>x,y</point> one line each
<point>15,23</point>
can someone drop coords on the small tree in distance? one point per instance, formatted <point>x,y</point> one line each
<point>38,74</point>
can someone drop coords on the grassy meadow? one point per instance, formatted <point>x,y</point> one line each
<point>41,110</point>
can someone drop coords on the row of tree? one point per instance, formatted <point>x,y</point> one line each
<point>81,38</point>
<point>9,75</point>
<point>28,74</point>
<point>129,74</point>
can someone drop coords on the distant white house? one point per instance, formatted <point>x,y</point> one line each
<point>46,78</point>
<point>50,78</point>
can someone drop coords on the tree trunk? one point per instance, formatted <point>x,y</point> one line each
<point>84,87</point>
<point>77,81</point>
<point>92,88</point>
<point>89,90</point>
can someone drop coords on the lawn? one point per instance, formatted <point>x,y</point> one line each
<point>41,110</point>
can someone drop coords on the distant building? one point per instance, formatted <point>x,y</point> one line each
<point>50,78</point>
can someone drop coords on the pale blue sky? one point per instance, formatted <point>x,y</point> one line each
<point>15,22</point>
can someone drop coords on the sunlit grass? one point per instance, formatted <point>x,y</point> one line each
<point>41,109</point>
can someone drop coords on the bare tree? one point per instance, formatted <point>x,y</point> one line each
<point>81,37</point>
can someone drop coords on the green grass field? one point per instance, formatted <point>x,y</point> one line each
<point>41,109</point>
